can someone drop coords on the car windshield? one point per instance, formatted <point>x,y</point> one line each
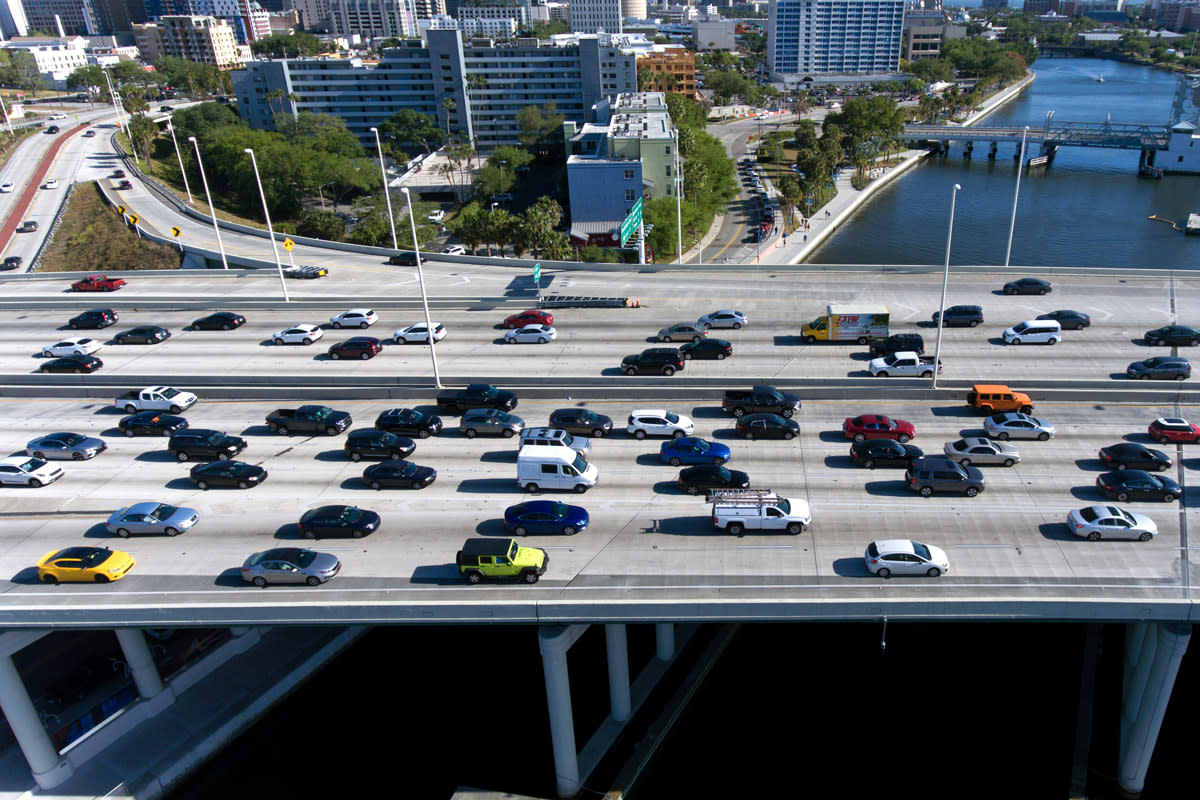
<point>722,473</point>
<point>163,512</point>
<point>406,468</point>
<point>512,552</point>
<point>922,551</point>
<point>349,514</point>
<point>70,439</point>
<point>32,464</point>
<point>1020,327</point>
<point>500,416</point>
<point>785,507</point>
<point>579,464</point>
<point>961,444</point>
<point>239,469</point>
<point>1089,514</point>
<point>304,558</point>
<point>95,557</point>
<point>170,392</point>
<point>672,418</point>
<point>408,415</point>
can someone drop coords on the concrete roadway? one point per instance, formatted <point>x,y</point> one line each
<point>651,552</point>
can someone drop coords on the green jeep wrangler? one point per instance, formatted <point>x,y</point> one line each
<point>500,558</point>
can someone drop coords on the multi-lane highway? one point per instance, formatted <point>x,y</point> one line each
<point>651,552</point>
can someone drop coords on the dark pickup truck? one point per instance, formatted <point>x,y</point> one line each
<point>477,395</point>
<point>308,419</point>
<point>760,400</point>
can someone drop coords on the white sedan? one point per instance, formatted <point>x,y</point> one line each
<point>298,334</point>
<point>79,345</point>
<point>1109,522</point>
<point>52,183</point>
<point>724,319</point>
<point>531,334</point>
<point>355,318</point>
<point>419,334</point>
<point>7,187</point>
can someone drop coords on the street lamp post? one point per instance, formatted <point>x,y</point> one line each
<point>179,156</point>
<point>387,195</point>
<point>208,197</point>
<point>937,351</point>
<point>121,120</point>
<point>1016,193</point>
<point>437,379</point>
<point>270,230</point>
<point>7,121</point>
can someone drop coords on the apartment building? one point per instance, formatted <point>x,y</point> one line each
<point>673,69</point>
<point>373,19</point>
<point>55,57</point>
<point>77,18</point>
<point>314,14</point>
<point>204,39</point>
<point>807,37</point>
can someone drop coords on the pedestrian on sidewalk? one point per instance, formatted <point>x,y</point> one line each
<point>827,213</point>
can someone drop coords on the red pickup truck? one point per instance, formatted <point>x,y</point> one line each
<point>98,283</point>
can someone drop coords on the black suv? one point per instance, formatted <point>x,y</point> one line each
<point>12,262</point>
<point>204,444</point>
<point>898,343</point>
<point>664,360</point>
<point>403,259</point>
<point>372,443</point>
<point>961,315</point>
<point>94,318</point>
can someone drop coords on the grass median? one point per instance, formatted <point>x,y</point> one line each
<point>92,236</point>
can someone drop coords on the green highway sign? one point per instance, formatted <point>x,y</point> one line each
<point>537,272</point>
<point>631,222</point>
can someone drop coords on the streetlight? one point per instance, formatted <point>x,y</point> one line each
<point>937,351</point>
<point>267,215</point>
<point>437,379</point>
<point>121,121</point>
<point>7,121</point>
<point>1016,193</point>
<point>179,156</point>
<point>207,196</point>
<point>493,209</point>
<point>386,194</point>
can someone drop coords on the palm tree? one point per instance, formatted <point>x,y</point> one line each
<point>450,105</point>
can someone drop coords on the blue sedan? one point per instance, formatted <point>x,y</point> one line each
<point>545,516</point>
<point>693,450</point>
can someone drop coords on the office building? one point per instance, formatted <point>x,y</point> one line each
<point>373,19</point>
<point>314,14</point>
<point>633,9</point>
<point>807,37</point>
<point>494,9</point>
<point>12,19</point>
<point>428,9</point>
<point>925,31</point>
<point>55,57</point>
<point>594,16</point>
<point>78,17</point>
<point>714,33</point>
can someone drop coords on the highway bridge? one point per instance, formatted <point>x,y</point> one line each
<point>1120,135</point>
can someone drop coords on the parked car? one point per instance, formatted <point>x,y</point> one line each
<point>398,474</point>
<point>77,345</point>
<point>531,334</point>
<point>219,321</point>
<point>338,521</point>
<point>971,316</point>
<point>1174,429</point>
<point>94,318</point>
<point>888,557</point>
<point>360,347</point>
<point>718,349</point>
<point>143,334</point>
<point>290,565</point>
<point>766,426</point>
<point>977,450</point>
<point>703,477</point>
<point>693,450</point>
<point>658,360</point>
<point>1109,522</point>
<point>490,422</point>
<point>419,334</point>
<point>373,443</point>
<point>682,332</point>
<point>1014,425</point>
<point>151,423</point>
<point>1028,286</point>
<point>545,516</point>
<point>873,453</point>
<point>437,215</point>
<point>76,364</point>
<point>298,334</point>
<point>581,421</point>
<point>1131,455</point>
<point>1068,318</point>
<point>227,473</point>
<point>725,318</point>
<point>1175,335</point>
<point>658,422</point>
<point>877,426</point>
<point>531,317</point>
<point>1163,368</point>
<point>28,471</point>
<point>930,474</point>
<point>84,564</point>
<point>65,446</point>
<point>1136,484</point>
<point>152,517</point>
<point>355,318</point>
<point>409,422</point>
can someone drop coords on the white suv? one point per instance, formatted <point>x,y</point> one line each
<point>659,422</point>
<point>355,318</point>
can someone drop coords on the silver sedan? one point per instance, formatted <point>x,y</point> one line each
<point>531,334</point>
<point>65,446</point>
<point>1012,425</point>
<point>977,450</point>
<point>290,565</point>
<point>1109,522</point>
<point>725,318</point>
<point>152,518</point>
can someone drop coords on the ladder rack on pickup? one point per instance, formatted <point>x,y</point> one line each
<point>744,496</point>
<point>569,301</point>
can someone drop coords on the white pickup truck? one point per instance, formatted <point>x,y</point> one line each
<point>156,398</point>
<point>741,510</point>
<point>906,363</point>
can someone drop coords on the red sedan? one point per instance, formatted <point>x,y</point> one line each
<point>877,426</point>
<point>1168,430</point>
<point>531,317</point>
<point>98,283</point>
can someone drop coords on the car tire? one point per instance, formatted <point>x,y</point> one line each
<point>693,489</point>
<point>166,433</point>
<point>202,485</point>
<point>1015,340</point>
<point>795,528</point>
<point>1079,327</point>
<point>884,572</point>
<point>130,408</point>
<point>598,433</point>
<point>100,579</point>
<point>736,326</point>
<point>972,491</point>
<point>696,339</point>
<point>1052,341</point>
<point>810,340</point>
<point>226,327</point>
<point>42,456</point>
<point>169,531</point>
<point>789,435</point>
<point>1122,467</point>
<point>34,483</point>
<point>1181,377</point>
<point>312,580</point>
<point>933,572</point>
<point>307,340</point>
<point>1010,291</point>
<point>474,577</point>
<point>687,356</point>
<point>639,434</point>
<point>1146,536</point>
<point>881,374</point>
<point>356,533</point>
<point>869,463</point>
<point>716,460</point>
<point>355,455</point>
<point>669,371</point>
<point>631,371</point>
<point>365,356</point>
<point>175,409</point>
<point>735,529</point>
<point>676,434</point>
<point>748,436</point>
<point>1122,497</point>
<point>1094,536</point>
<point>1008,462</point>
<point>1043,436</point>
<point>1169,497</point>
<point>1143,377</point>
<point>259,581</point>
<point>675,461</point>
<point>720,356</point>
<point>926,491</point>
<point>964,462</point>
<point>128,431</point>
<point>570,530</point>
<point>859,437</point>
<point>973,323</point>
<point>331,431</point>
<point>508,433</point>
<point>334,355</point>
<point>122,532</point>
<point>243,485</point>
<point>580,488</point>
<point>278,340</point>
<point>74,326</point>
<point>904,438</point>
<point>531,487</point>
<point>787,413</point>
<point>337,325</point>
<point>529,576</point>
<point>1026,409</point>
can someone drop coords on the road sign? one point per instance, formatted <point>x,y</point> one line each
<point>133,218</point>
<point>631,222</point>
<point>120,209</point>
<point>537,272</point>
<point>288,244</point>
<point>176,231</point>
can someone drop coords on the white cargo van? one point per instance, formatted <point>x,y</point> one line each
<point>741,510</point>
<point>554,467</point>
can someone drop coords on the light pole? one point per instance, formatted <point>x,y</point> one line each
<point>937,351</point>
<point>267,215</point>
<point>387,195</point>
<point>437,379</point>
<point>1016,193</point>
<point>208,197</point>
<point>116,98</point>
<point>7,121</point>
<point>179,156</point>
<point>493,209</point>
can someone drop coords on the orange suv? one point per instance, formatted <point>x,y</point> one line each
<point>990,398</point>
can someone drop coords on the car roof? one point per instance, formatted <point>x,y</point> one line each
<point>486,547</point>
<point>894,546</point>
<point>1173,421</point>
<point>649,412</point>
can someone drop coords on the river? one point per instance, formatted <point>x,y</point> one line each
<point>1089,208</point>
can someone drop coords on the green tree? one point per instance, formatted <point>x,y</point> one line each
<point>142,131</point>
<point>322,225</point>
<point>284,45</point>
<point>89,78</point>
<point>25,73</point>
<point>540,220</point>
<point>202,118</point>
<point>541,132</point>
<point>409,130</point>
<point>323,132</point>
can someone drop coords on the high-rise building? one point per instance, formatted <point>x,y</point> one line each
<point>206,40</point>
<point>834,36</point>
<point>12,19</point>
<point>373,19</point>
<point>428,9</point>
<point>78,17</point>
<point>516,10</point>
<point>593,16</point>
<point>633,9</point>
<point>314,14</point>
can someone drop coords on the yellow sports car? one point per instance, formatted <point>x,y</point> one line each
<point>93,564</point>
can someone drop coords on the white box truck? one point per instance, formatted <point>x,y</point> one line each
<point>741,510</point>
<point>544,467</point>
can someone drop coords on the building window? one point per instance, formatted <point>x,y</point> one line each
<point>630,195</point>
<point>628,174</point>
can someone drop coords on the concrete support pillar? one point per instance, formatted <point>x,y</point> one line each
<point>48,769</point>
<point>140,661</point>
<point>554,641</point>
<point>618,671</point>
<point>1144,699</point>
<point>992,151</point>
<point>664,640</point>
